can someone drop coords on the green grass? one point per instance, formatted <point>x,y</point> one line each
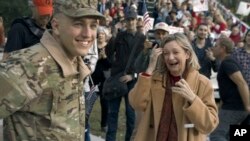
<point>95,121</point>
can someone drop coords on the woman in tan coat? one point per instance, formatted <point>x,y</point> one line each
<point>177,102</point>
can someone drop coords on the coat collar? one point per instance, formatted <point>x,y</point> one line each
<point>61,58</point>
<point>192,76</point>
<point>159,92</point>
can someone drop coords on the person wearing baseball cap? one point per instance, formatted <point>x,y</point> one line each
<point>161,30</point>
<point>154,39</point>
<point>43,7</point>
<point>42,96</point>
<point>27,31</point>
<point>42,11</point>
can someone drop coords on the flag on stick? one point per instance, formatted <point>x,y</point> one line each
<point>146,18</point>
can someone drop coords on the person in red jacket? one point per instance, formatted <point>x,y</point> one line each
<point>220,23</point>
<point>235,36</point>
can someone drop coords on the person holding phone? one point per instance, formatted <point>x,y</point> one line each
<point>176,101</point>
<point>154,38</point>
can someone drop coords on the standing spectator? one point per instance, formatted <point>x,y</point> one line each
<point>120,24</point>
<point>164,7</point>
<point>176,4</point>
<point>140,26</point>
<point>176,100</point>
<point>242,55</point>
<point>42,85</point>
<point>89,87</point>
<point>115,9</point>
<point>235,36</point>
<point>202,47</point>
<point>233,90</point>
<point>102,6</point>
<point>161,30</point>
<point>124,43</point>
<point>102,71</point>
<point>28,31</point>
<point>191,36</point>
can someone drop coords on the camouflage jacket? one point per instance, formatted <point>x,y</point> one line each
<point>41,94</point>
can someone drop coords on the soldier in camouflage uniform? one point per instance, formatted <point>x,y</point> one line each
<point>41,86</point>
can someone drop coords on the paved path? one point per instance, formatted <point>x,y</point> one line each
<point>1,55</point>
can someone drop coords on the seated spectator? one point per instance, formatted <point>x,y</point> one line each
<point>220,23</point>
<point>209,22</point>
<point>240,44</point>
<point>186,20</point>
<point>172,18</point>
<point>235,35</point>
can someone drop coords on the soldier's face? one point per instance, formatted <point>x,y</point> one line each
<point>76,35</point>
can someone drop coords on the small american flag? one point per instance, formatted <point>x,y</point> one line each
<point>146,18</point>
<point>94,88</point>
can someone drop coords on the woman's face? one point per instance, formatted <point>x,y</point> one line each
<point>175,58</point>
<point>101,37</point>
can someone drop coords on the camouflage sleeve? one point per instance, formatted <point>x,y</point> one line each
<point>11,98</point>
<point>16,89</point>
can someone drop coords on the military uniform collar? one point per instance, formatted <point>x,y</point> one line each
<point>61,58</point>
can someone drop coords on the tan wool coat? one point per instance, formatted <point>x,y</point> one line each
<point>148,95</point>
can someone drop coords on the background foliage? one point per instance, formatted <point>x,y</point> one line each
<point>11,9</point>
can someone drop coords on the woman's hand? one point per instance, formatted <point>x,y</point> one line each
<point>153,59</point>
<point>182,88</point>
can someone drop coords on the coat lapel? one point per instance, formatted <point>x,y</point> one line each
<point>159,90</point>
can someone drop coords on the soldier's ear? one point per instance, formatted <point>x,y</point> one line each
<point>55,25</point>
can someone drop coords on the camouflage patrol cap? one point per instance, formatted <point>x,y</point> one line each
<point>78,8</point>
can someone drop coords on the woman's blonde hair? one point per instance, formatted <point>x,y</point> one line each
<point>182,41</point>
